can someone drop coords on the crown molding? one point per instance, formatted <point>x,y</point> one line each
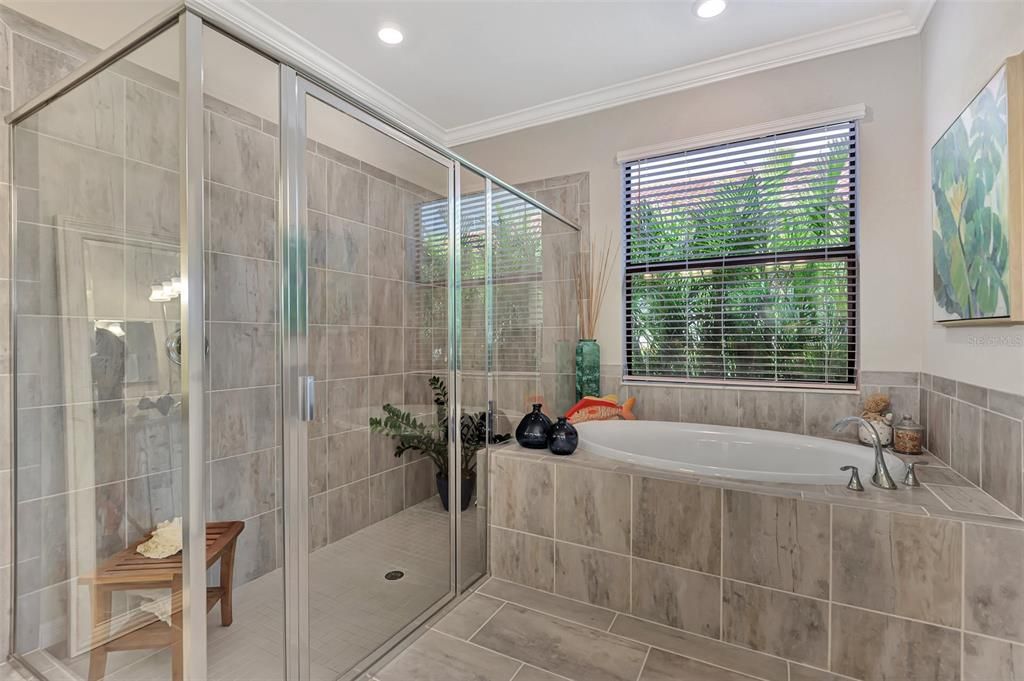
<point>890,26</point>
<point>304,54</point>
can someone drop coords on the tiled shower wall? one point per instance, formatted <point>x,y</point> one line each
<point>362,328</point>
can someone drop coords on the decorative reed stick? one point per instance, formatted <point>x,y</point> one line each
<point>592,273</point>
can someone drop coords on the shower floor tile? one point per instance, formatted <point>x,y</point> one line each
<point>353,609</point>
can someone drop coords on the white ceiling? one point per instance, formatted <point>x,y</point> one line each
<point>473,68</point>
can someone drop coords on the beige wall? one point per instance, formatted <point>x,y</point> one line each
<point>886,78</point>
<point>981,35</point>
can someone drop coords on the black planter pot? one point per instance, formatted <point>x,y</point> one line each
<point>468,488</point>
<point>532,431</point>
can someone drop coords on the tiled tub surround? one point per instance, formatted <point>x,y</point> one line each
<point>773,581</point>
<point>979,432</point>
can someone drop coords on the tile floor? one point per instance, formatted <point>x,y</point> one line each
<point>353,609</point>
<point>507,632</point>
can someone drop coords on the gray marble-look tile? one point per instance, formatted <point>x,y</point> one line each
<point>386,254</point>
<point>589,615</point>
<point>346,193</point>
<point>874,647</point>
<point>523,558</point>
<point>701,648</point>
<point>799,672</point>
<point>677,523</point>
<point>347,299</point>
<point>773,622</point>
<point>36,66</point>
<point>243,421</point>
<point>561,647</point>
<point>824,409</point>
<point>152,499</point>
<point>593,508</point>
<point>151,125</point>
<point>348,247</point>
<point>242,355</point>
<point>592,576</point>
<point>1008,404</point>
<point>386,302</point>
<point>965,499</point>
<point>347,457</point>
<point>241,289</point>
<point>420,482</point>
<point>387,494</point>
<point>902,564</point>
<point>994,581</point>
<point>777,542</point>
<point>940,475</point>
<point>240,223</point>
<point>316,456</point>
<point>151,203</point>
<point>523,495</point>
<point>974,394</point>
<point>772,410</point>
<point>528,673</point>
<point>940,408</point>
<point>662,666</point>
<point>468,616</point>
<point>966,444</point>
<point>384,206</point>
<point>256,552</point>
<point>709,405</point>
<point>655,403</point>
<point>987,659</point>
<point>318,524</point>
<point>1002,445</point>
<point>890,378</point>
<point>347,405</point>
<point>241,157</point>
<point>348,509</point>
<point>243,486</point>
<point>680,598</point>
<point>946,386</point>
<point>437,657</point>
<point>387,352</point>
<point>902,400</point>
<point>347,351</point>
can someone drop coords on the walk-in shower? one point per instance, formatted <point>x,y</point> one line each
<point>224,267</point>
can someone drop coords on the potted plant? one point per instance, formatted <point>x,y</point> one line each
<point>431,440</point>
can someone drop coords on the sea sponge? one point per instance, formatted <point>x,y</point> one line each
<point>876,404</point>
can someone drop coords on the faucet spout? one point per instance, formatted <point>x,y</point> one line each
<point>881,477</point>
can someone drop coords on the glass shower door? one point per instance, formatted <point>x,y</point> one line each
<point>371,265</point>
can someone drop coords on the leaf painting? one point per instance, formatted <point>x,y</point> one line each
<point>970,192</point>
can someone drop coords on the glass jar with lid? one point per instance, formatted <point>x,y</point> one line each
<point>908,436</point>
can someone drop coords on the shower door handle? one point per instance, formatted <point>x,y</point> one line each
<point>307,397</point>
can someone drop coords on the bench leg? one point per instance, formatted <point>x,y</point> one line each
<point>227,569</point>
<point>101,607</point>
<point>177,633</point>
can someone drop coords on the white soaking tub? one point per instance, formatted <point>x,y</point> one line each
<point>738,453</point>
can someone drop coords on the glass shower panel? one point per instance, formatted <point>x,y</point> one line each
<point>100,438</point>
<point>379,536</point>
<point>246,633</point>
<point>475,361</point>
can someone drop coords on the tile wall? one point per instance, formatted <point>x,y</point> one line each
<point>772,585</point>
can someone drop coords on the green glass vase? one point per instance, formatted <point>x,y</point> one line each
<point>588,368</point>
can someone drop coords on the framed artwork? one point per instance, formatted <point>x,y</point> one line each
<point>977,191</point>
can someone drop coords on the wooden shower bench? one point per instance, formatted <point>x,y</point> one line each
<point>128,570</point>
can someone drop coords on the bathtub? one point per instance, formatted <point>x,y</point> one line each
<point>739,453</point>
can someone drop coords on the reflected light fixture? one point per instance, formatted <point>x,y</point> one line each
<point>708,9</point>
<point>390,35</point>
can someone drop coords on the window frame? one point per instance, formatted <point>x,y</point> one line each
<point>850,252</point>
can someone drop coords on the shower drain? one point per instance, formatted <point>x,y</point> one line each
<point>393,575</point>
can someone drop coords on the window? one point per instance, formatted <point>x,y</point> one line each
<point>741,261</point>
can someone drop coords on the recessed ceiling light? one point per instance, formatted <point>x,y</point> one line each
<point>708,9</point>
<point>390,35</point>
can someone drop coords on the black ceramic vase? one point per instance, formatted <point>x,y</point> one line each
<point>532,431</point>
<point>563,438</point>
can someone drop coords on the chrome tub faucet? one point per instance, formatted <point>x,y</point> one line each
<point>881,477</point>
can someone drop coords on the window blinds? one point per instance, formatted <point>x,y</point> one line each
<point>741,261</point>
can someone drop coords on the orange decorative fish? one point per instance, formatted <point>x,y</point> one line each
<point>601,409</point>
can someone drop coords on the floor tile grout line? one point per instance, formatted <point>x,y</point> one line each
<point>643,665</point>
<point>486,621</point>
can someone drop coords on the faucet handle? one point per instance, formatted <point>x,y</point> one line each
<point>854,483</point>
<point>910,479</point>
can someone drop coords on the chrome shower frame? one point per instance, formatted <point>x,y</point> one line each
<point>298,79</point>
